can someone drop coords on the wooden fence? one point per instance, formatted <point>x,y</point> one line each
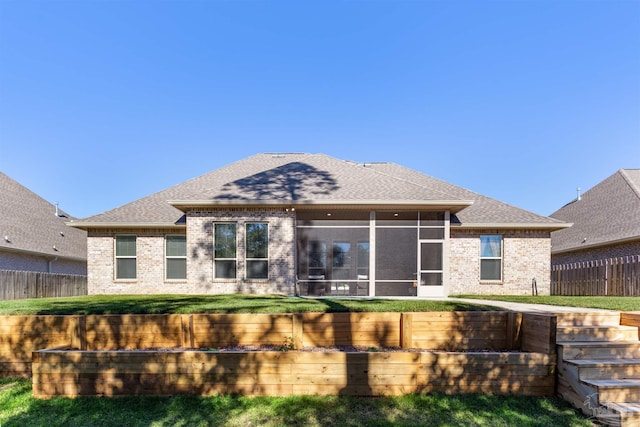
<point>610,277</point>
<point>33,284</point>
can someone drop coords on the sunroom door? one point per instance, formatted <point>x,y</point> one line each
<point>430,278</point>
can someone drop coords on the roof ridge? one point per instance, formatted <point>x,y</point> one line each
<point>629,182</point>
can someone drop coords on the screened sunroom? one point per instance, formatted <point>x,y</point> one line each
<point>371,253</point>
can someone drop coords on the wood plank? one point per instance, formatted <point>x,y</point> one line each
<point>406,330</point>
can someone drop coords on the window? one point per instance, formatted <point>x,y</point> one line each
<point>176,257</point>
<point>490,257</point>
<point>224,251</point>
<point>317,260</point>
<point>257,244</point>
<point>125,257</point>
<point>341,260</point>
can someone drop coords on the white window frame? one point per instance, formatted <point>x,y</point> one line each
<point>499,258</point>
<point>117,257</point>
<point>235,259</point>
<point>247,259</point>
<point>167,257</point>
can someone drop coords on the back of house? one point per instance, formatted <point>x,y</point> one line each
<point>311,224</point>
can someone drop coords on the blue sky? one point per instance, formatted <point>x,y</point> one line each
<point>104,102</point>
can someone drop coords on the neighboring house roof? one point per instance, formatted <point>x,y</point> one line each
<point>307,181</point>
<point>29,224</point>
<point>606,214</point>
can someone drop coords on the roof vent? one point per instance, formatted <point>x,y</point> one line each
<point>58,214</point>
<point>578,197</point>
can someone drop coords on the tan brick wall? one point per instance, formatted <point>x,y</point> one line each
<point>281,251</point>
<point>151,262</point>
<point>526,255</point>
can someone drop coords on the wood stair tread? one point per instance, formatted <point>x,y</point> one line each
<point>598,343</point>
<point>629,407</point>
<point>586,328</point>
<point>622,382</point>
<point>600,362</point>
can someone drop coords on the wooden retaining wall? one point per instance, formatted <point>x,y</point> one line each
<point>111,373</point>
<point>631,319</point>
<point>451,331</point>
<point>21,335</point>
<point>539,333</point>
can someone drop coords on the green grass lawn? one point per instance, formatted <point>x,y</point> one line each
<point>607,303</point>
<point>19,408</point>
<point>185,304</point>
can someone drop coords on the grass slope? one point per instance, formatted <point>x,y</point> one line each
<point>606,303</point>
<point>185,304</point>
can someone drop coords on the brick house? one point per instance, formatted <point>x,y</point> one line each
<point>606,221</point>
<point>310,224</point>
<point>34,235</point>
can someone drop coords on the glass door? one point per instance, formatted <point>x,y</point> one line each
<point>430,280</point>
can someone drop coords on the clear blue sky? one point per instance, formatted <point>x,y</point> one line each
<point>104,102</point>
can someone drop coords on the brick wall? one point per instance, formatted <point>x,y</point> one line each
<point>526,255</point>
<point>281,251</point>
<point>604,252</point>
<point>151,262</point>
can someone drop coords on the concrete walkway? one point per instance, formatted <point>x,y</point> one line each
<point>539,308</point>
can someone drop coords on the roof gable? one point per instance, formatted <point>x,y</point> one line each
<point>607,213</point>
<point>29,224</point>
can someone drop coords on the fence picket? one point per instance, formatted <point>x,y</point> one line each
<point>610,277</point>
<point>34,284</point>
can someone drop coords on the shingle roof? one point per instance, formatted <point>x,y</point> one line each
<point>29,224</point>
<point>607,213</point>
<point>314,178</point>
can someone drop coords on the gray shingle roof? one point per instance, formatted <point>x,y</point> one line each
<point>30,224</point>
<point>305,178</point>
<point>607,213</point>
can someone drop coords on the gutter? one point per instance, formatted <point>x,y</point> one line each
<point>594,245</point>
<point>85,225</point>
<point>512,225</point>
<point>43,254</point>
<point>452,205</point>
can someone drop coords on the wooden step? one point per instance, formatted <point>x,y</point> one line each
<point>595,318</point>
<point>617,391</point>
<point>585,397</point>
<point>598,350</point>
<point>596,333</point>
<point>606,368</point>
<point>619,414</point>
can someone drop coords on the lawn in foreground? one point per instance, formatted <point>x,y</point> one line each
<point>186,304</point>
<point>19,408</point>
<point>606,303</point>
